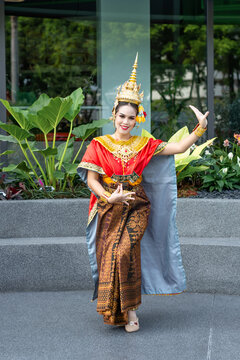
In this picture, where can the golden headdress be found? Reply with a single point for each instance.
(129, 92)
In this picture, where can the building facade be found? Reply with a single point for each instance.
(188, 54)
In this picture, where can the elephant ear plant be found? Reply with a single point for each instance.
(45, 114)
(182, 161)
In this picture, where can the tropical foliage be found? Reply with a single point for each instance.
(178, 76)
(186, 163)
(60, 163)
(224, 166)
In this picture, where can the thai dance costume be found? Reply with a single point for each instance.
(133, 249)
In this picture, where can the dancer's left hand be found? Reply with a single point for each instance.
(201, 118)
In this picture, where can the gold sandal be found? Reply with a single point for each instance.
(132, 325)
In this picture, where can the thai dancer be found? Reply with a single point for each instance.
(132, 236)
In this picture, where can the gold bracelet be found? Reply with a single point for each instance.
(198, 130)
(107, 194)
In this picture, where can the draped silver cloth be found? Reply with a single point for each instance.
(161, 261)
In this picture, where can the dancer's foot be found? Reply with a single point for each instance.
(133, 322)
(132, 326)
(132, 316)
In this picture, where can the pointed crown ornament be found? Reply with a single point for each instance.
(129, 92)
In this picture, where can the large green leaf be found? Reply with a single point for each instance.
(31, 144)
(201, 147)
(55, 110)
(20, 173)
(190, 170)
(7, 152)
(19, 115)
(195, 155)
(145, 133)
(179, 135)
(40, 122)
(185, 161)
(71, 169)
(77, 101)
(40, 103)
(34, 115)
(84, 131)
(47, 152)
(16, 131)
(8, 138)
(69, 151)
(21, 166)
(58, 174)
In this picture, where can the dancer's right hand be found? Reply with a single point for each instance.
(119, 196)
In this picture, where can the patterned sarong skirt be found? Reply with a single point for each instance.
(120, 229)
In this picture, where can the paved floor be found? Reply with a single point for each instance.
(66, 326)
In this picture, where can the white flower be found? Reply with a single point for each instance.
(230, 155)
(193, 147)
(207, 152)
(221, 158)
(224, 170)
(238, 161)
(218, 116)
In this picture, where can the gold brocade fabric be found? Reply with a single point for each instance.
(109, 180)
(120, 229)
(160, 147)
(124, 150)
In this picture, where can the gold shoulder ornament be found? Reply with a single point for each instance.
(124, 150)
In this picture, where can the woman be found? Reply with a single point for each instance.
(119, 212)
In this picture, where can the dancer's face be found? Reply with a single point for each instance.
(125, 119)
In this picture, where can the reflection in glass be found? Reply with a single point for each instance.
(178, 66)
(55, 56)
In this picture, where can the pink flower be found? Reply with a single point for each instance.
(238, 142)
(41, 183)
(226, 143)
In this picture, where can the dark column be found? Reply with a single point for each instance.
(3, 144)
(14, 59)
(210, 67)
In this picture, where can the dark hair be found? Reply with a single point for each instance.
(122, 103)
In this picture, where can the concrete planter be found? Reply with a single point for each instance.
(43, 245)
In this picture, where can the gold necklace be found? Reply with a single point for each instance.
(124, 150)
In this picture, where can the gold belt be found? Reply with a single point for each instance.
(108, 180)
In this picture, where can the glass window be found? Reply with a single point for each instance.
(227, 68)
(52, 49)
(178, 64)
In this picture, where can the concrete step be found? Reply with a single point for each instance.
(68, 217)
(61, 263)
(44, 264)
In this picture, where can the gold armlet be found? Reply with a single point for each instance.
(107, 195)
(198, 130)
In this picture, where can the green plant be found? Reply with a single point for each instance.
(182, 161)
(45, 114)
(6, 153)
(224, 167)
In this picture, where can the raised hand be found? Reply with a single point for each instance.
(201, 118)
(119, 196)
